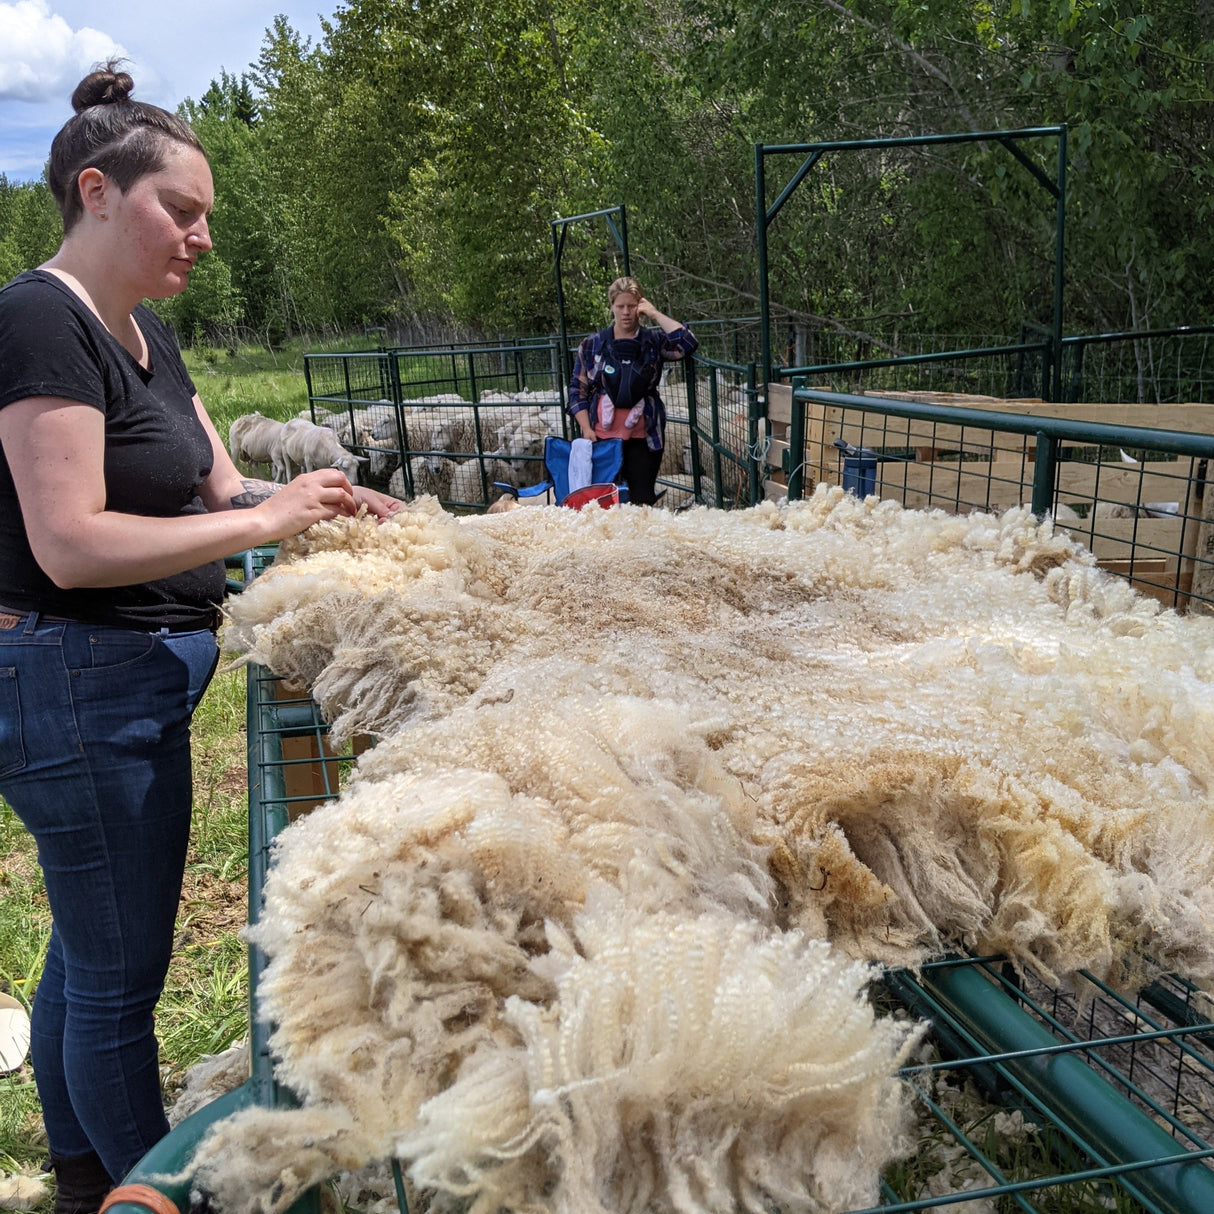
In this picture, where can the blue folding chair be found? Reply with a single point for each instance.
(606, 457)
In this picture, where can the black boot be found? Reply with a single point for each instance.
(81, 1183)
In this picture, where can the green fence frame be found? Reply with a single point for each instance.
(812, 153)
(560, 229)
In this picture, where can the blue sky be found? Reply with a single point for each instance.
(175, 50)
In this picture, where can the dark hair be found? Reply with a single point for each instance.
(125, 139)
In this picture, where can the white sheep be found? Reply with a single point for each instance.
(429, 473)
(304, 447)
(1117, 510)
(678, 495)
(376, 421)
(254, 439)
(467, 488)
(383, 457)
(456, 429)
(339, 423)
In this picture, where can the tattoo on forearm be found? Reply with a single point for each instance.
(254, 492)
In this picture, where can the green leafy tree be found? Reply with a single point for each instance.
(30, 226)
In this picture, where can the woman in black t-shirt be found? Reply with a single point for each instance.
(118, 503)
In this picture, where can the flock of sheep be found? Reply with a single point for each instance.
(442, 445)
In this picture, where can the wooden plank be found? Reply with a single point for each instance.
(1127, 565)
(1009, 482)
(779, 403)
(873, 430)
(776, 451)
(1203, 557)
(975, 485)
(1135, 484)
(1126, 538)
(1190, 417)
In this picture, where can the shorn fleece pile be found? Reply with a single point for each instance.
(592, 927)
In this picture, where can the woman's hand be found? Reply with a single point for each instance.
(378, 504)
(310, 498)
(646, 311)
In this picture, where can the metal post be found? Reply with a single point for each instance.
(558, 244)
(1045, 467)
(1075, 1094)
(714, 412)
(697, 470)
(752, 431)
(761, 234)
(1059, 266)
(796, 444)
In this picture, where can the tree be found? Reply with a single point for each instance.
(30, 226)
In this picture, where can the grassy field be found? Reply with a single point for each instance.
(253, 379)
(203, 1009)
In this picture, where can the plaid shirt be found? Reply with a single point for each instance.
(587, 383)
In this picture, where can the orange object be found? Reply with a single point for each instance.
(602, 495)
(140, 1195)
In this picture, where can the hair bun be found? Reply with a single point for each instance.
(105, 85)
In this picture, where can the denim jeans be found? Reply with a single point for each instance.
(95, 761)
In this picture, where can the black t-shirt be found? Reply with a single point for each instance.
(157, 453)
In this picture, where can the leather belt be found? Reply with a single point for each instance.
(9, 619)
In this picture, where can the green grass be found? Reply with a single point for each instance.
(252, 378)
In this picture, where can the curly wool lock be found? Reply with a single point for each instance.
(441, 923)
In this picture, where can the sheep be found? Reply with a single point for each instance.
(530, 396)
(1117, 510)
(254, 439)
(678, 495)
(520, 447)
(429, 473)
(304, 447)
(339, 423)
(472, 431)
(376, 421)
(467, 487)
(383, 457)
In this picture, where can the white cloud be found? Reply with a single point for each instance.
(41, 57)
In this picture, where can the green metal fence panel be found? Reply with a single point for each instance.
(1139, 498)
(421, 416)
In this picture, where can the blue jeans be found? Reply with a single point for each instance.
(95, 761)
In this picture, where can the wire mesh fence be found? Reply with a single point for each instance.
(1137, 497)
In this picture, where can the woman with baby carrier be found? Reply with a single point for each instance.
(614, 389)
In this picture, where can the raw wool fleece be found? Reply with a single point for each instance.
(572, 961)
(836, 720)
(954, 730)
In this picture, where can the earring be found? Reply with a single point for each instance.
(102, 215)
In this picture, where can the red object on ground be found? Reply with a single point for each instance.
(604, 495)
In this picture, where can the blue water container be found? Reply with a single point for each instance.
(860, 475)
